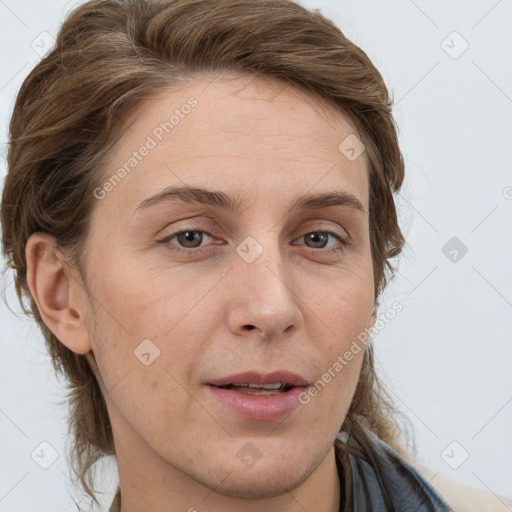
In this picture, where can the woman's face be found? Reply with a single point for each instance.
(175, 313)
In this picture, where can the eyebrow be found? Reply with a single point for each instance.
(219, 199)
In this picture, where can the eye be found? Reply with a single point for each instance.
(319, 239)
(188, 238)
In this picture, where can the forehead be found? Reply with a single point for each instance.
(235, 131)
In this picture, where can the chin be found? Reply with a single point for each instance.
(260, 484)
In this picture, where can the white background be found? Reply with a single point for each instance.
(447, 356)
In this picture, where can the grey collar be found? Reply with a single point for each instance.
(406, 489)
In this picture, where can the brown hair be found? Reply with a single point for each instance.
(112, 55)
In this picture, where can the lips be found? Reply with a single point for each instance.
(257, 396)
(281, 380)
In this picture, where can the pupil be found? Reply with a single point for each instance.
(315, 236)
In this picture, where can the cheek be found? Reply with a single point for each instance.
(147, 396)
(344, 304)
(144, 316)
(341, 310)
(139, 302)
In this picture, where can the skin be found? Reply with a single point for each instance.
(267, 143)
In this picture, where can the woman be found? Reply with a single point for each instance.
(199, 207)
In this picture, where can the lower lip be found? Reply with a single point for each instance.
(259, 407)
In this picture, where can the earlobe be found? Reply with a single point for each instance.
(52, 288)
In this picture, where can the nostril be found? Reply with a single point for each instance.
(252, 327)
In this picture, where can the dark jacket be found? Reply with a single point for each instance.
(407, 490)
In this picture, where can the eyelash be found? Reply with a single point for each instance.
(344, 241)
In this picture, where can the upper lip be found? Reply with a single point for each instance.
(282, 376)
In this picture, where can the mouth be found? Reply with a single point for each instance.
(259, 389)
(259, 397)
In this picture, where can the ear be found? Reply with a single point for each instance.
(58, 292)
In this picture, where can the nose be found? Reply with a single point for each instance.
(265, 297)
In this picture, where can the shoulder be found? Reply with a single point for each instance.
(461, 497)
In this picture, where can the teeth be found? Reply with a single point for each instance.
(251, 391)
(258, 386)
(264, 386)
